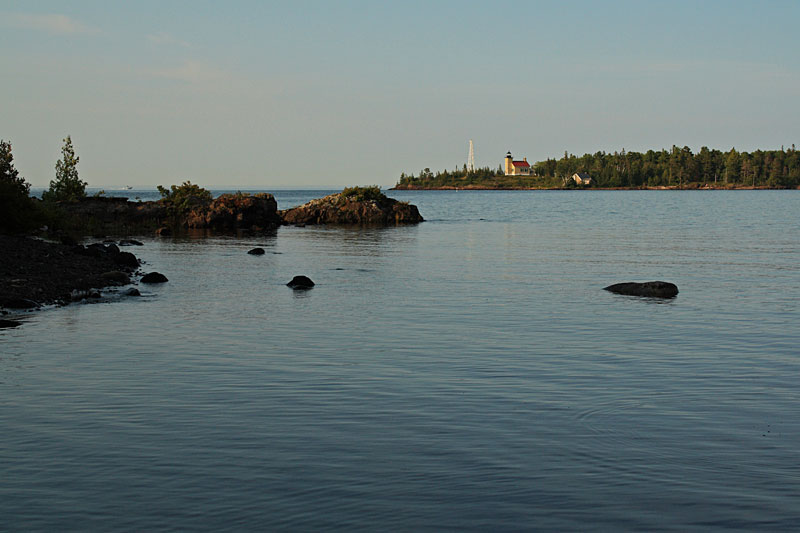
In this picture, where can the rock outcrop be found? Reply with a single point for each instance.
(230, 212)
(351, 210)
(114, 215)
(227, 212)
(648, 289)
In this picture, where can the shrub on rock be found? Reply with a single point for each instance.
(353, 206)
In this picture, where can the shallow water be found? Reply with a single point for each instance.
(467, 373)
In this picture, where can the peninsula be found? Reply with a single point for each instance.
(677, 168)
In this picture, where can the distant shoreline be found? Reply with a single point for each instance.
(699, 187)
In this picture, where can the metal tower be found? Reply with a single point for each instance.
(471, 158)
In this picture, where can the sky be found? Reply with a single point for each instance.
(265, 95)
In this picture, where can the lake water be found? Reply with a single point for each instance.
(468, 373)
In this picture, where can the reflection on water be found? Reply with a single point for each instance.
(461, 374)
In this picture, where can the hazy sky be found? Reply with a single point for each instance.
(251, 94)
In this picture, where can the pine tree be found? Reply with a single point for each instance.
(9, 176)
(67, 187)
(17, 212)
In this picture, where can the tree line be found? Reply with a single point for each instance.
(679, 167)
(449, 178)
(676, 167)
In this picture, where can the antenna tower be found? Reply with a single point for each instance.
(471, 158)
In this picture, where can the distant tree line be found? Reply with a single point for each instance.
(677, 167)
(450, 178)
(680, 167)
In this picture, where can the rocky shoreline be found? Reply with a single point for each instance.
(231, 213)
(35, 272)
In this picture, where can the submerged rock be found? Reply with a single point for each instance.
(132, 292)
(78, 296)
(300, 283)
(154, 277)
(130, 242)
(257, 251)
(649, 289)
(9, 323)
(115, 276)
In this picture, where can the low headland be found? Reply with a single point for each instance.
(677, 168)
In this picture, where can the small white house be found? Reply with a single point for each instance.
(582, 178)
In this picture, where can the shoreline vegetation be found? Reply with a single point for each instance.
(674, 169)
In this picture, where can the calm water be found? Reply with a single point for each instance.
(467, 374)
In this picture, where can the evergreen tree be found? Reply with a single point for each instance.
(17, 211)
(10, 181)
(67, 187)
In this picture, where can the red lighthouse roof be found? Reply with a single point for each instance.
(521, 164)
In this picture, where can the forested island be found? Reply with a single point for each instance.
(677, 168)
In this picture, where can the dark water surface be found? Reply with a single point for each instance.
(468, 373)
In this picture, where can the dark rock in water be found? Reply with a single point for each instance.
(154, 277)
(9, 323)
(300, 283)
(115, 276)
(126, 259)
(163, 231)
(256, 251)
(130, 242)
(649, 289)
(20, 303)
(132, 292)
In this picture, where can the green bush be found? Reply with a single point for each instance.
(181, 199)
(363, 194)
